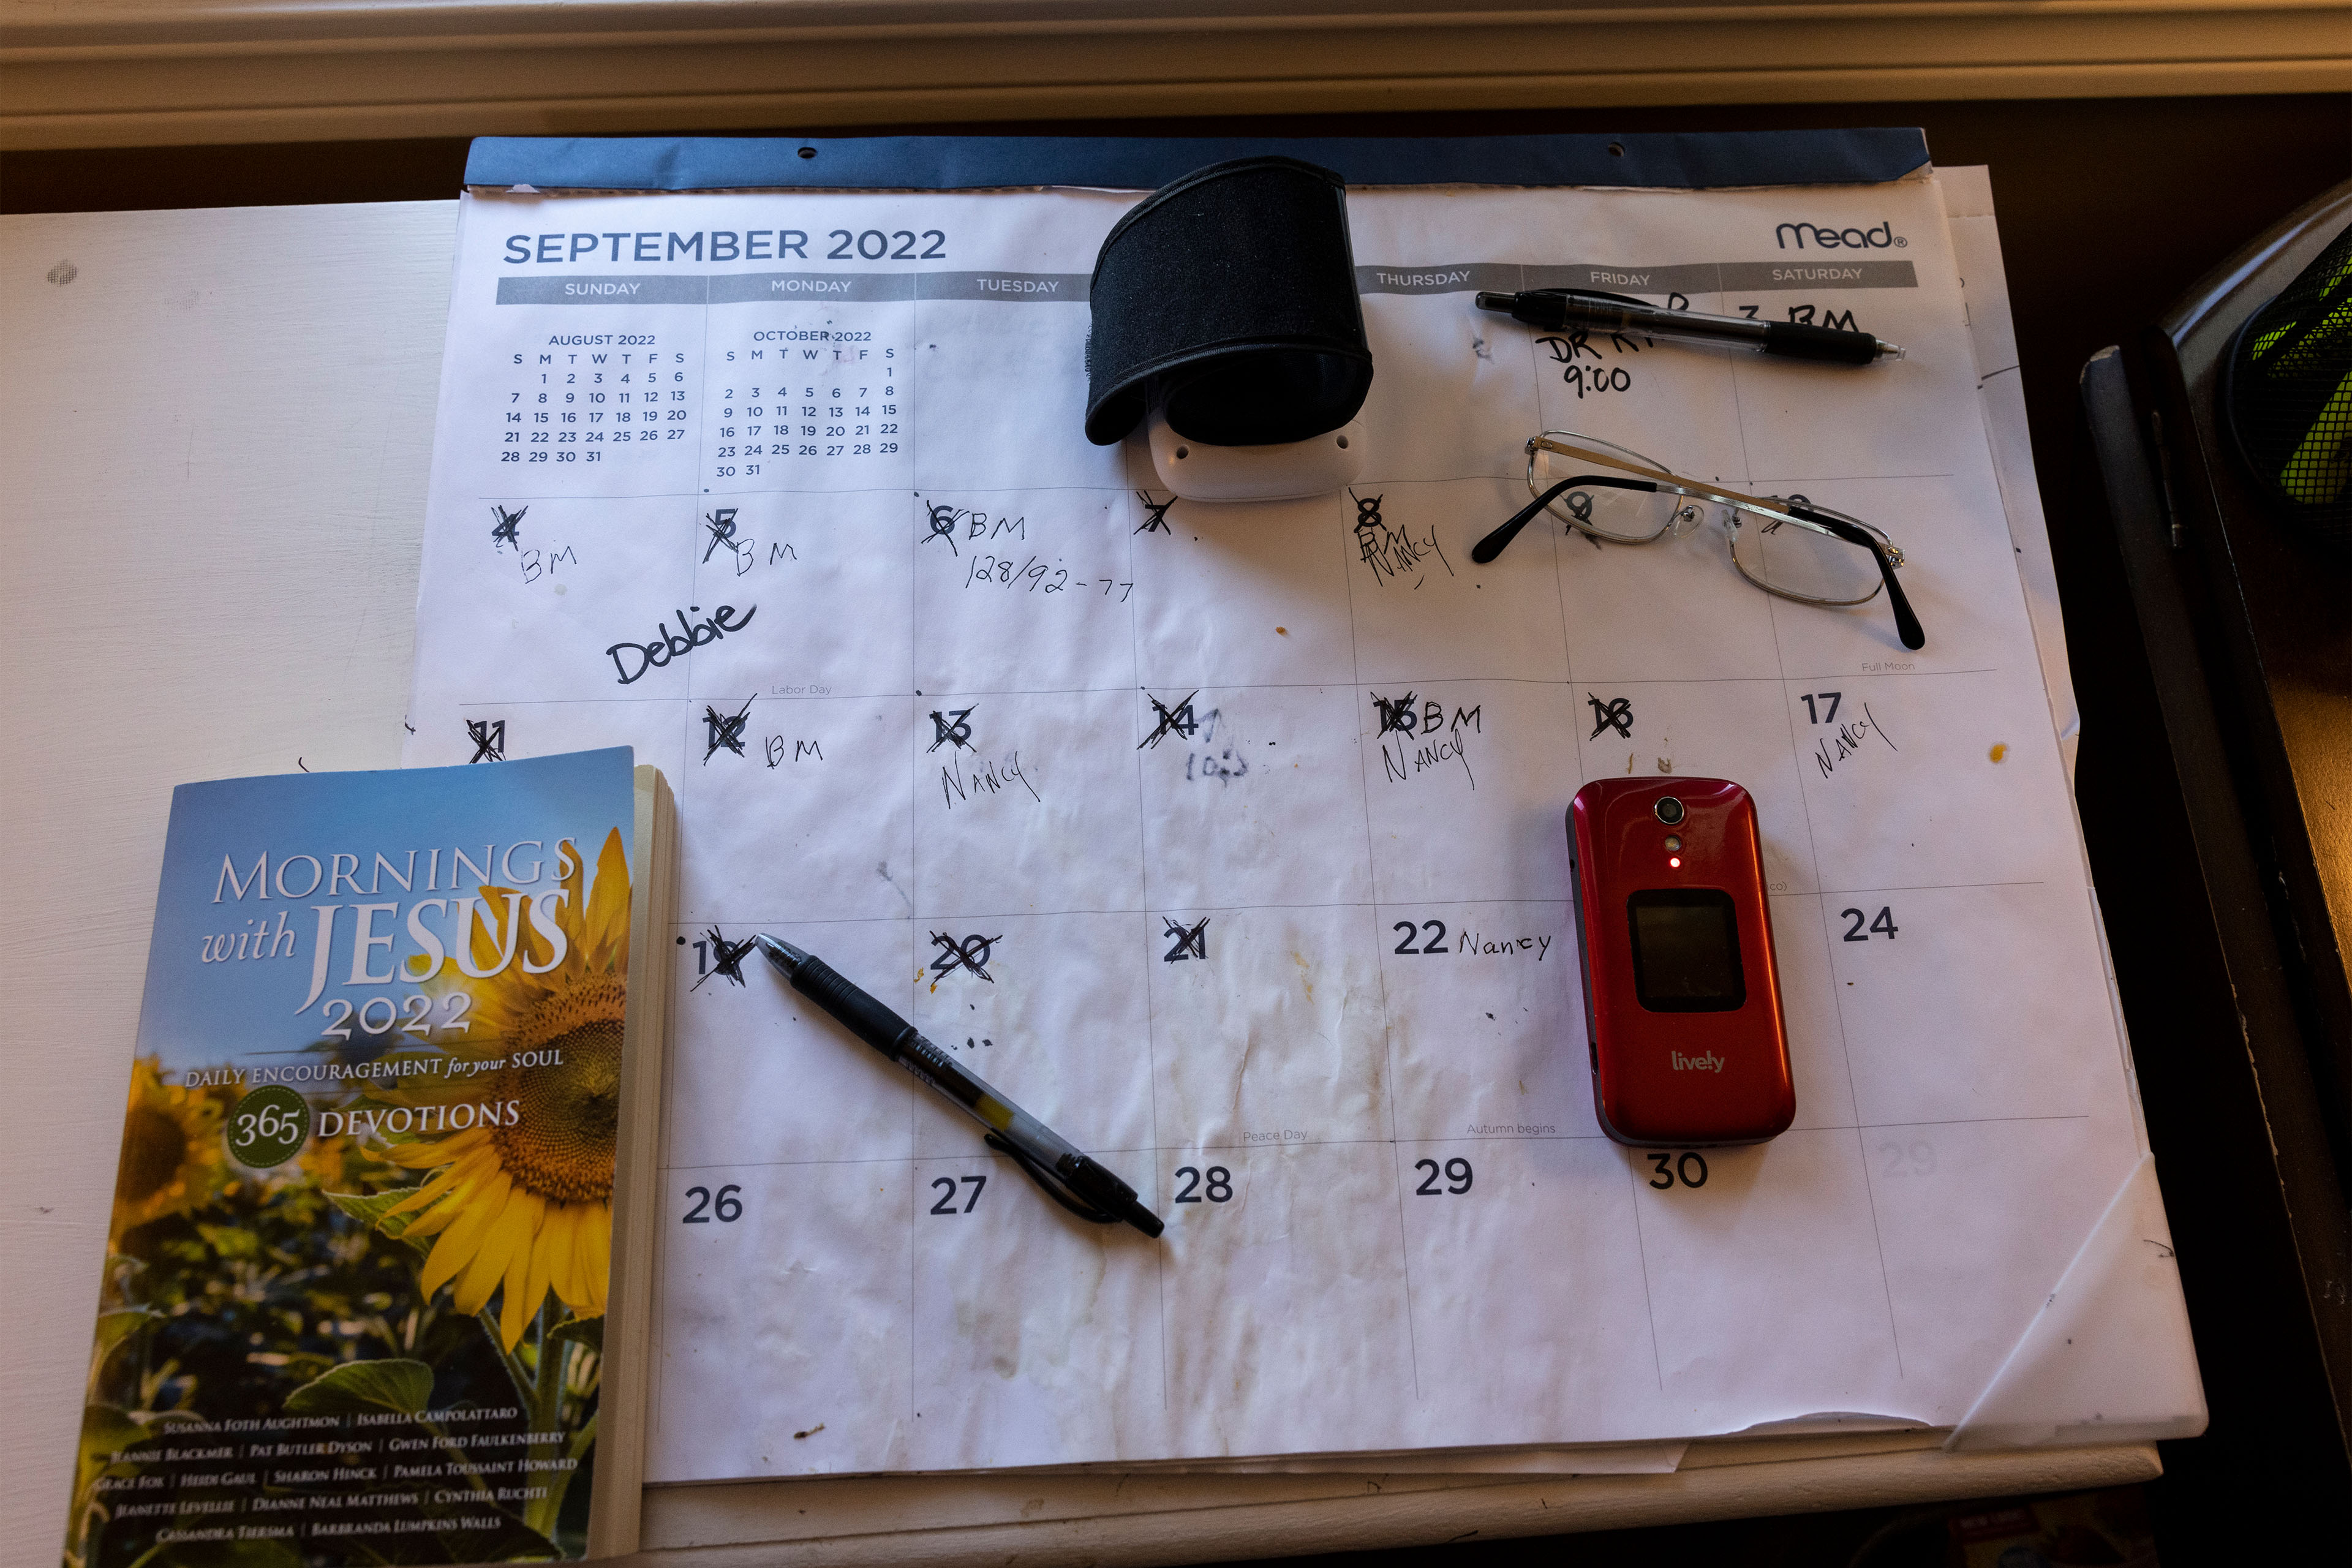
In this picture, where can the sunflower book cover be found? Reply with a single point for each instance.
(377, 1278)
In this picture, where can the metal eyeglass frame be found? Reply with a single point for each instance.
(1775, 512)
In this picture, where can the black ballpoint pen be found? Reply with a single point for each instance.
(1555, 308)
(1069, 1176)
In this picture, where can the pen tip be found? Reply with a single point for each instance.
(782, 954)
(1890, 350)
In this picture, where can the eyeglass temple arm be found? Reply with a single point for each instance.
(1906, 621)
(1486, 549)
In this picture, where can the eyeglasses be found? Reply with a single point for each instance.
(1784, 544)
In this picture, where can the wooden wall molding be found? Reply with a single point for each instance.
(97, 73)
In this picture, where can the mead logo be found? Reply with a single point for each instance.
(1882, 238)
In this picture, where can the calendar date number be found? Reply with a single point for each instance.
(1456, 1173)
(1431, 933)
(1669, 1168)
(1190, 1188)
(1880, 924)
(725, 1207)
(948, 1187)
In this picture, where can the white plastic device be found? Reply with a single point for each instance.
(1198, 471)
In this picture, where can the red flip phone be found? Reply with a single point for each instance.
(1682, 999)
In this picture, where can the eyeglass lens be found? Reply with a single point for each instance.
(1604, 505)
(1837, 562)
(1627, 516)
(1800, 563)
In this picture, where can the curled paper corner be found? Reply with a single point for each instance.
(2108, 1358)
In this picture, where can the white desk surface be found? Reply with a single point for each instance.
(182, 600)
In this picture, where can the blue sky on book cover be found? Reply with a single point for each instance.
(251, 855)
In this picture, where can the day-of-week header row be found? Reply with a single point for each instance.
(1665, 282)
(1686, 279)
(743, 288)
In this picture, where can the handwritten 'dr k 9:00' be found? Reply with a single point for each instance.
(669, 645)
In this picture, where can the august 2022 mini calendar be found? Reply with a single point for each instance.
(1228, 839)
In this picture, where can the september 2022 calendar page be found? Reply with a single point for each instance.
(1228, 839)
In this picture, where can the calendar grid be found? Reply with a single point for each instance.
(1388, 1041)
(1263, 1059)
(914, 841)
(1079, 490)
(1649, 1291)
(756, 918)
(1263, 686)
(1159, 1147)
(1151, 1018)
(1845, 1055)
(1388, 1142)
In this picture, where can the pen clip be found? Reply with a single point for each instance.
(1599, 294)
(1048, 1184)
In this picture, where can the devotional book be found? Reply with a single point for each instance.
(377, 1276)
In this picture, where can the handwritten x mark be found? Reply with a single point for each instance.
(721, 524)
(1397, 716)
(971, 953)
(943, 522)
(956, 730)
(724, 729)
(1616, 714)
(1176, 721)
(727, 957)
(1192, 941)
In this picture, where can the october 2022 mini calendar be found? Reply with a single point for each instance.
(1228, 839)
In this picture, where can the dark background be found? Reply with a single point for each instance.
(2109, 210)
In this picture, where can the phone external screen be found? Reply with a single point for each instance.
(1686, 951)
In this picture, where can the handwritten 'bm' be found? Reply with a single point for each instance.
(667, 645)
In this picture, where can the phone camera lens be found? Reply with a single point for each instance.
(1669, 810)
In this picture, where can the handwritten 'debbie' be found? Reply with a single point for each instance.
(667, 645)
